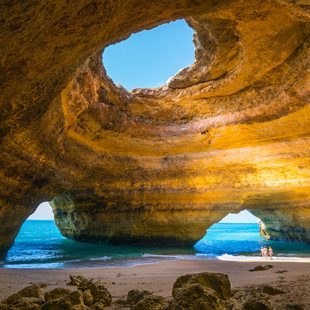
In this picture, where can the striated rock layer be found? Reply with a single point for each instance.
(228, 133)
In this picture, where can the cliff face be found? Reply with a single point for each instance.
(230, 132)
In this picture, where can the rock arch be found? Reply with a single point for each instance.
(231, 131)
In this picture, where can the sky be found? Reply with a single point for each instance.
(242, 217)
(43, 212)
(148, 59)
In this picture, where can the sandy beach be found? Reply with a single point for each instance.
(292, 277)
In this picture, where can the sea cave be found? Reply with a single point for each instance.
(159, 165)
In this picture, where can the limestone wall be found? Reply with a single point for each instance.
(230, 132)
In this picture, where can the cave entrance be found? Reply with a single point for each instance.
(147, 59)
(38, 243)
(235, 234)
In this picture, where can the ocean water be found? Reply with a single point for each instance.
(39, 244)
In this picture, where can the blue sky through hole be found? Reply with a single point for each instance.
(148, 58)
(43, 212)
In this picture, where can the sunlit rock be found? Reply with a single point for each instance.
(231, 132)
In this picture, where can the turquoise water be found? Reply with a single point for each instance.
(39, 244)
(244, 239)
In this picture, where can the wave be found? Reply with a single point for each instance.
(101, 258)
(146, 255)
(34, 266)
(243, 258)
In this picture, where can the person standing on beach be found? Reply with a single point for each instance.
(265, 251)
(270, 252)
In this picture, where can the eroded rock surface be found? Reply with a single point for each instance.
(29, 298)
(142, 299)
(92, 291)
(202, 291)
(89, 294)
(231, 132)
(218, 282)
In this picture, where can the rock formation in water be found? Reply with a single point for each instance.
(228, 133)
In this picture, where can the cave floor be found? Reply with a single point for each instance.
(159, 278)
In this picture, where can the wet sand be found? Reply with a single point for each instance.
(292, 277)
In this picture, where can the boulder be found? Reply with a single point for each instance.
(76, 297)
(77, 280)
(80, 307)
(134, 296)
(256, 304)
(4, 306)
(194, 296)
(32, 290)
(261, 268)
(66, 303)
(25, 303)
(120, 302)
(270, 290)
(150, 302)
(88, 297)
(95, 290)
(98, 306)
(139, 300)
(100, 293)
(30, 297)
(250, 298)
(218, 282)
(56, 293)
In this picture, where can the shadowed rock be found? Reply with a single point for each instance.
(294, 307)
(134, 296)
(270, 290)
(4, 306)
(32, 291)
(261, 268)
(256, 304)
(98, 306)
(140, 300)
(152, 302)
(56, 293)
(30, 297)
(250, 298)
(88, 297)
(73, 301)
(93, 291)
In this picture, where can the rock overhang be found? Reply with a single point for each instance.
(230, 132)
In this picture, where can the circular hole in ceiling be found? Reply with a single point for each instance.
(147, 59)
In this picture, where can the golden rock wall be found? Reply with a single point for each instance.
(228, 133)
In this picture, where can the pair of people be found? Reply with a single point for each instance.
(267, 252)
